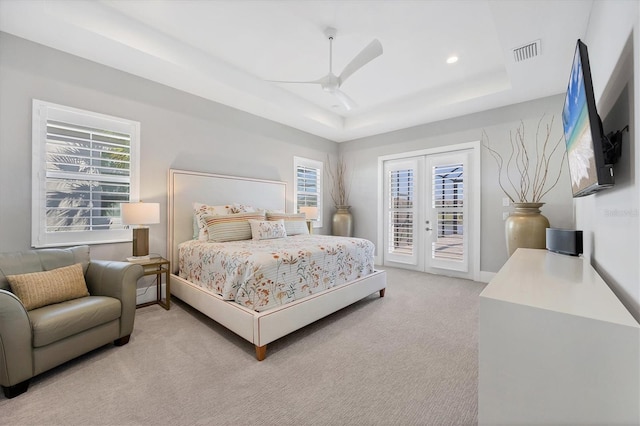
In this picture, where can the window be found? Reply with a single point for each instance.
(84, 165)
(308, 186)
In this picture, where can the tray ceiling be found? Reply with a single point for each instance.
(226, 51)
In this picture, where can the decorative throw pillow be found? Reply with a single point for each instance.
(242, 208)
(294, 223)
(199, 212)
(267, 230)
(230, 227)
(37, 289)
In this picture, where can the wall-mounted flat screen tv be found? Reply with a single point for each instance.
(583, 132)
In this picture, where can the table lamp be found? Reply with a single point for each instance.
(311, 214)
(139, 215)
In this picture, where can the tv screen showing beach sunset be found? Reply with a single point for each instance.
(577, 131)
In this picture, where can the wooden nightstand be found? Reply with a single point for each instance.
(157, 266)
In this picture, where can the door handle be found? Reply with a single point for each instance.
(428, 229)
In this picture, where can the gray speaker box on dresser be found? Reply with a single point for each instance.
(564, 241)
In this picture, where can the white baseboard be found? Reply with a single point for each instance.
(486, 276)
(148, 294)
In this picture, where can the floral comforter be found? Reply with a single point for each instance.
(264, 274)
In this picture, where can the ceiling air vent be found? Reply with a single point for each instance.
(528, 51)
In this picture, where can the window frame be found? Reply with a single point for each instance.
(43, 112)
(312, 164)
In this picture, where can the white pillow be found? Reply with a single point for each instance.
(267, 230)
(242, 208)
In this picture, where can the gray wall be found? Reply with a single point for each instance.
(363, 155)
(610, 219)
(178, 130)
(184, 131)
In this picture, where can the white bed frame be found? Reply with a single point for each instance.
(259, 328)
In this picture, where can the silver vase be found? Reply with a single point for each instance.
(342, 222)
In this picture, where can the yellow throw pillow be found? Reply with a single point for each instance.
(37, 289)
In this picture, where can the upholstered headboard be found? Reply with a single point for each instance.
(186, 187)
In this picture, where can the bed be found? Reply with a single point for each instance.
(258, 324)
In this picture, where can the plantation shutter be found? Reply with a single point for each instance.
(88, 173)
(401, 211)
(308, 186)
(448, 202)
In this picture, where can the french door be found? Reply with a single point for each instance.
(426, 213)
(402, 215)
(445, 213)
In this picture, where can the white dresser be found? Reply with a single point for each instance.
(556, 346)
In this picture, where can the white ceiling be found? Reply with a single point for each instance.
(226, 50)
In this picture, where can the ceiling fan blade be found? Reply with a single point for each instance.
(348, 103)
(369, 53)
(297, 82)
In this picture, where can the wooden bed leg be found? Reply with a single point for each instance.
(261, 352)
(382, 292)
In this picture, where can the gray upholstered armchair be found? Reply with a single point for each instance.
(36, 340)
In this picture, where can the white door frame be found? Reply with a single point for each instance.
(474, 177)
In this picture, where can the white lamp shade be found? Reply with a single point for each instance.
(140, 213)
(311, 213)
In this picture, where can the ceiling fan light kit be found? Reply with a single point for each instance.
(331, 83)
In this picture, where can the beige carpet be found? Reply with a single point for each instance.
(408, 358)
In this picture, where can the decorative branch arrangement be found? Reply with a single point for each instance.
(339, 188)
(532, 173)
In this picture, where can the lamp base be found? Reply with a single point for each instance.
(140, 242)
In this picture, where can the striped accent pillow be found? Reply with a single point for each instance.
(37, 289)
(231, 227)
(199, 212)
(294, 223)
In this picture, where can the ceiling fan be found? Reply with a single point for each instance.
(331, 83)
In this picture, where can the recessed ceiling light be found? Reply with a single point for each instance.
(452, 59)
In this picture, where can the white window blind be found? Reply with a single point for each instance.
(448, 201)
(84, 165)
(308, 185)
(401, 211)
